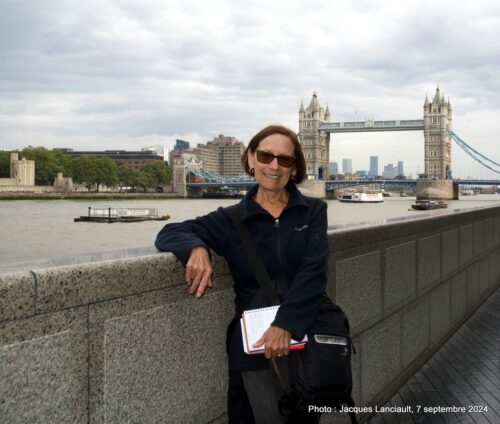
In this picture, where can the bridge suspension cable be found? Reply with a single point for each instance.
(473, 153)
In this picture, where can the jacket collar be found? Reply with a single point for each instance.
(250, 207)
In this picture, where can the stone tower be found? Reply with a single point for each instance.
(437, 141)
(22, 170)
(315, 143)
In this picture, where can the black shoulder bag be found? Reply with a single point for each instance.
(320, 375)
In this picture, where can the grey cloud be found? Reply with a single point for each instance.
(109, 70)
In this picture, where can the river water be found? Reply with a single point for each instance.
(40, 233)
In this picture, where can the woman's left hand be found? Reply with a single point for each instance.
(276, 341)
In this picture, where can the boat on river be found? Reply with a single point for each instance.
(110, 215)
(425, 205)
(362, 197)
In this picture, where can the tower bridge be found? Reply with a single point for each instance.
(315, 133)
(315, 129)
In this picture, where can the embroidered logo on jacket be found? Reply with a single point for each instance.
(301, 228)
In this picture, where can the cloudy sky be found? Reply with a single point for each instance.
(108, 74)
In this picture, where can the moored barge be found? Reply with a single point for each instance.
(110, 215)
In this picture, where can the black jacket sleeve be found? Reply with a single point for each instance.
(210, 231)
(299, 306)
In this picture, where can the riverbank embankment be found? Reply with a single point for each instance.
(87, 196)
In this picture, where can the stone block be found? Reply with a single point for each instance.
(415, 337)
(466, 243)
(429, 263)
(484, 277)
(458, 290)
(496, 260)
(489, 233)
(64, 287)
(440, 312)
(44, 380)
(400, 283)
(168, 363)
(101, 312)
(17, 295)
(497, 230)
(478, 238)
(493, 269)
(359, 289)
(472, 286)
(380, 357)
(450, 252)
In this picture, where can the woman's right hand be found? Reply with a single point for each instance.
(198, 271)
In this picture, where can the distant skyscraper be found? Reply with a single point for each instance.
(346, 166)
(400, 168)
(389, 171)
(181, 145)
(333, 168)
(373, 166)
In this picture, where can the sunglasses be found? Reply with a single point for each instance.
(283, 160)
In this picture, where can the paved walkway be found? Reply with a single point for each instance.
(465, 372)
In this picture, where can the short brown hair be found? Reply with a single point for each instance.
(300, 162)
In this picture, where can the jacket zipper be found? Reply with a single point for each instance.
(277, 283)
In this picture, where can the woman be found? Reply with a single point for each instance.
(289, 231)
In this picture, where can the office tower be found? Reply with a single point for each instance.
(373, 166)
(181, 145)
(389, 171)
(400, 168)
(333, 168)
(347, 166)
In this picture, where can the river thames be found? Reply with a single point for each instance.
(39, 233)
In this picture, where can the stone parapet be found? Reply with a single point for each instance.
(122, 341)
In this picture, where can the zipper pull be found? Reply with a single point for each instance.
(277, 223)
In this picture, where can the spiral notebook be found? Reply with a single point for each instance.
(254, 323)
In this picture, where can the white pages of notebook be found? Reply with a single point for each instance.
(254, 323)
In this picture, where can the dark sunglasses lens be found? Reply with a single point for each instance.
(286, 161)
(264, 157)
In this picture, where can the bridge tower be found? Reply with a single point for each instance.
(437, 140)
(181, 162)
(315, 143)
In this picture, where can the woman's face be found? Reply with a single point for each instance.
(272, 176)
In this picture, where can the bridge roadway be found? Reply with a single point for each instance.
(371, 125)
(464, 372)
(333, 184)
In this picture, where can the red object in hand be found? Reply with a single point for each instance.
(298, 347)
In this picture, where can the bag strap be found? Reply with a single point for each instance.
(259, 271)
(251, 251)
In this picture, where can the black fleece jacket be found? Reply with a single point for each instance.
(293, 248)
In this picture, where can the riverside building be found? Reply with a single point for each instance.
(133, 160)
(222, 155)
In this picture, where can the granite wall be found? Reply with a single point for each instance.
(121, 340)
